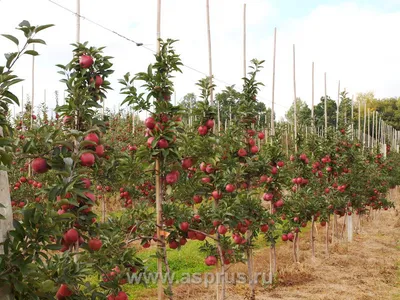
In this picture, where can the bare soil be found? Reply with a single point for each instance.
(366, 269)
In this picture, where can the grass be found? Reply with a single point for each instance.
(187, 260)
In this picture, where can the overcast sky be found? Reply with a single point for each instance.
(356, 42)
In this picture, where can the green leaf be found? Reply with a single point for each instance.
(11, 96)
(24, 23)
(31, 52)
(66, 216)
(18, 228)
(53, 247)
(5, 142)
(42, 27)
(11, 38)
(36, 41)
(10, 57)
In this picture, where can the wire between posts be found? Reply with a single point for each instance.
(147, 48)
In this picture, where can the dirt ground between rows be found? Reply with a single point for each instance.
(368, 268)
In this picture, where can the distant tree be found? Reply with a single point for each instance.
(226, 100)
(344, 110)
(303, 113)
(188, 101)
(319, 112)
(389, 110)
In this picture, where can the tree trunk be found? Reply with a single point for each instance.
(250, 272)
(350, 228)
(223, 281)
(327, 239)
(312, 238)
(5, 224)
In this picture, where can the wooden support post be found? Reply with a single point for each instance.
(325, 109)
(312, 99)
(209, 53)
(295, 99)
(273, 88)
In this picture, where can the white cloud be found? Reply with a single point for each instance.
(354, 44)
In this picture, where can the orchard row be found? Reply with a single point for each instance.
(176, 181)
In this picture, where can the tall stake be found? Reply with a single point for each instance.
(365, 123)
(352, 118)
(312, 99)
(295, 99)
(33, 87)
(78, 20)
(244, 40)
(325, 107)
(368, 126)
(133, 121)
(209, 53)
(22, 106)
(359, 120)
(337, 106)
(160, 290)
(273, 88)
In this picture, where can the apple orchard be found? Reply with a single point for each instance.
(176, 179)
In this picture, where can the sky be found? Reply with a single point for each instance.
(353, 41)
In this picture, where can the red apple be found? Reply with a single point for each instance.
(184, 226)
(173, 244)
(254, 149)
(71, 236)
(95, 244)
(163, 144)
(268, 196)
(39, 165)
(100, 150)
(222, 229)
(93, 138)
(230, 188)
(150, 141)
(216, 195)
(206, 180)
(242, 152)
(85, 61)
(172, 177)
(86, 182)
(150, 123)
(197, 199)
(187, 163)
(98, 81)
(210, 123)
(203, 167)
(121, 296)
(200, 236)
(203, 130)
(216, 223)
(87, 159)
(64, 291)
(211, 260)
(264, 227)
